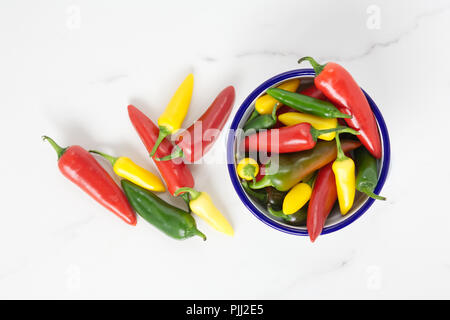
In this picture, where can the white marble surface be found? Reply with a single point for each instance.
(71, 76)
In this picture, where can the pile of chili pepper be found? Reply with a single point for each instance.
(139, 185)
(311, 155)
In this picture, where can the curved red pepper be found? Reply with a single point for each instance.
(293, 138)
(338, 85)
(196, 144)
(322, 200)
(281, 140)
(175, 173)
(80, 167)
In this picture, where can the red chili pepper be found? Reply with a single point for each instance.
(80, 167)
(196, 140)
(313, 92)
(175, 174)
(341, 89)
(322, 200)
(294, 138)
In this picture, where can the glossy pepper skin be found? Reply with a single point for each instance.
(313, 92)
(265, 103)
(323, 198)
(125, 167)
(367, 173)
(80, 167)
(202, 205)
(293, 118)
(175, 172)
(291, 168)
(294, 138)
(192, 145)
(258, 195)
(297, 197)
(173, 116)
(296, 219)
(174, 222)
(304, 103)
(344, 173)
(265, 121)
(338, 85)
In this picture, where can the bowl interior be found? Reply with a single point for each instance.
(335, 220)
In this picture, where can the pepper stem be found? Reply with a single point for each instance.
(59, 150)
(254, 114)
(318, 68)
(249, 171)
(340, 129)
(186, 199)
(274, 111)
(264, 182)
(199, 233)
(163, 132)
(194, 193)
(340, 153)
(278, 214)
(177, 152)
(372, 195)
(106, 156)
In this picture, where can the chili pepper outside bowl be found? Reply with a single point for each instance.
(335, 221)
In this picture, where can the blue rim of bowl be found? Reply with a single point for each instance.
(238, 187)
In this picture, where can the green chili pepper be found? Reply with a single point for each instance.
(307, 104)
(254, 114)
(367, 176)
(258, 195)
(265, 121)
(291, 168)
(296, 219)
(171, 220)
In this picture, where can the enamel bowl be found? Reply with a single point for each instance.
(335, 220)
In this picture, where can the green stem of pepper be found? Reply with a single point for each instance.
(341, 129)
(274, 111)
(254, 114)
(276, 213)
(370, 193)
(318, 68)
(340, 153)
(59, 150)
(264, 182)
(193, 193)
(177, 152)
(249, 171)
(163, 132)
(111, 159)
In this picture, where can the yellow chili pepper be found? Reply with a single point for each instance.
(344, 172)
(124, 167)
(172, 118)
(298, 196)
(201, 204)
(248, 169)
(292, 118)
(265, 103)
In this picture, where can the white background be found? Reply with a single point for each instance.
(68, 69)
